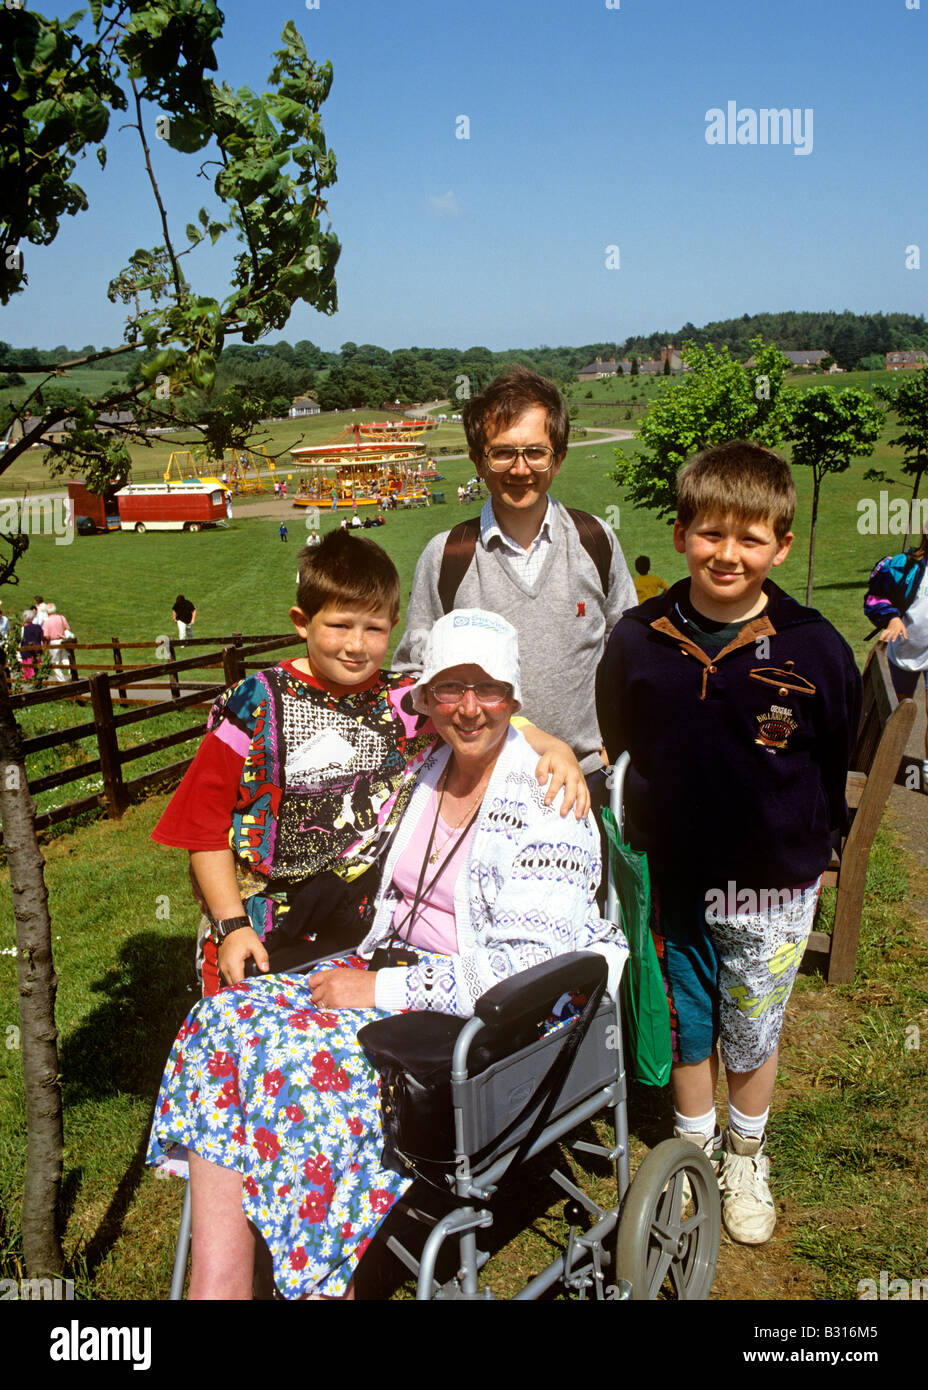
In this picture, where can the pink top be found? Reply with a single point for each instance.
(434, 928)
(56, 625)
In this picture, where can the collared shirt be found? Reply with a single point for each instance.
(527, 563)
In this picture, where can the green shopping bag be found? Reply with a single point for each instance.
(644, 999)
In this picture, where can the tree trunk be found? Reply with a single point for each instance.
(816, 486)
(37, 985)
(916, 486)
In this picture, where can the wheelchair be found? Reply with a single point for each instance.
(511, 1104)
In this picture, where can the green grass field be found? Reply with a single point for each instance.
(849, 1149)
(90, 383)
(29, 471)
(242, 578)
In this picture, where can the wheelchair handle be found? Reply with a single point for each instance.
(616, 806)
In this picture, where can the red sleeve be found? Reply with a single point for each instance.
(199, 814)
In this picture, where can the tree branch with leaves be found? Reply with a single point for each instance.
(829, 428)
(718, 399)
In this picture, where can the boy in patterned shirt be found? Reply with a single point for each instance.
(306, 768)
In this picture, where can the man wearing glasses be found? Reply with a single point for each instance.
(558, 576)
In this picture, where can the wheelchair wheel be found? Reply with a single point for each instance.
(668, 1240)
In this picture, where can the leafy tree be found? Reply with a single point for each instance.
(828, 429)
(908, 397)
(331, 393)
(152, 59)
(718, 400)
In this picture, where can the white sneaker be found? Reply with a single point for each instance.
(747, 1206)
(710, 1146)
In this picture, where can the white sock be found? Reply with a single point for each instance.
(747, 1126)
(696, 1124)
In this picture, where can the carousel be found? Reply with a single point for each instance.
(368, 474)
(395, 431)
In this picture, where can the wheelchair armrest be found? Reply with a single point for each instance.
(529, 996)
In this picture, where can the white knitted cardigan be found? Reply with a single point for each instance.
(525, 893)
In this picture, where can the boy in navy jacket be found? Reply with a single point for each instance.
(739, 709)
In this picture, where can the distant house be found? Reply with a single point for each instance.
(304, 405)
(597, 370)
(107, 423)
(112, 420)
(647, 367)
(31, 425)
(807, 357)
(654, 366)
(906, 361)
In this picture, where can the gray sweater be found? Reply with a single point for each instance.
(563, 621)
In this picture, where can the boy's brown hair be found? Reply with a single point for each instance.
(737, 479)
(345, 569)
(507, 398)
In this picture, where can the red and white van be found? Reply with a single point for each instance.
(187, 506)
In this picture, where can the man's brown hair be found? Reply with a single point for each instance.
(345, 569)
(737, 479)
(507, 398)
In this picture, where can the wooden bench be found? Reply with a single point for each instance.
(885, 725)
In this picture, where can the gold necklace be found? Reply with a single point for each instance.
(454, 829)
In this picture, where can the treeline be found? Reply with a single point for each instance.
(851, 339)
(366, 376)
(370, 377)
(358, 375)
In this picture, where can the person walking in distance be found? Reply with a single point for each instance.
(184, 614)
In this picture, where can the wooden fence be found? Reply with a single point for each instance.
(136, 685)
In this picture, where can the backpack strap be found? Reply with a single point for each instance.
(455, 561)
(462, 543)
(595, 542)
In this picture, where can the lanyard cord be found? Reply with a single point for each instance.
(409, 920)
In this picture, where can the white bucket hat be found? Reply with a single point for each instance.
(470, 637)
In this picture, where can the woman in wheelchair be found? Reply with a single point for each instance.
(267, 1088)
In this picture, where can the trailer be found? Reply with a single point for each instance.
(92, 511)
(191, 505)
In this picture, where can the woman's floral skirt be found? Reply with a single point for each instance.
(261, 1081)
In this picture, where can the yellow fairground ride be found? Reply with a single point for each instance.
(243, 471)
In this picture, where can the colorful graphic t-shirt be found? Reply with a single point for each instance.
(298, 780)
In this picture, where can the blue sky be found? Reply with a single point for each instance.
(587, 130)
